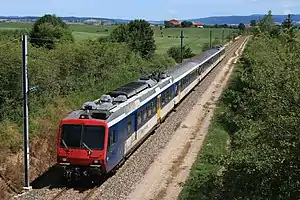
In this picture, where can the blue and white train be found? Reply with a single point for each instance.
(101, 135)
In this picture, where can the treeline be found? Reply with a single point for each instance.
(260, 111)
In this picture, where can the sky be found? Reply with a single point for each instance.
(147, 9)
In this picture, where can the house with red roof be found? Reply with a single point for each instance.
(198, 24)
(175, 22)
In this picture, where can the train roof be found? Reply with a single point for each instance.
(189, 64)
(127, 98)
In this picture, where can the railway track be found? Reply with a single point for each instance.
(120, 185)
(59, 194)
(63, 194)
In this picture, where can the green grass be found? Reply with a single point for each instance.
(85, 35)
(15, 25)
(195, 37)
(202, 183)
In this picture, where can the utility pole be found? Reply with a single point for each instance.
(181, 45)
(223, 36)
(210, 44)
(25, 112)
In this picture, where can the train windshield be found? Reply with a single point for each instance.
(82, 137)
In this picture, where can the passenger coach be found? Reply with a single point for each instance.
(99, 136)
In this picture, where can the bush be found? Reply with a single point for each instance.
(262, 120)
(49, 30)
(175, 53)
(12, 34)
(138, 34)
(205, 46)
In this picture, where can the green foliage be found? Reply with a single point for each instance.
(104, 39)
(287, 23)
(120, 34)
(266, 23)
(288, 28)
(159, 63)
(175, 53)
(242, 27)
(205, 46)
(72, 72)
(262, 118)
(261, 114)
(138, 35)
(12, 34)
(48, 30)
(204, 182)
(253, 23)
(185, 24)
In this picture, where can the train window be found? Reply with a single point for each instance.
(129, 127)
(154, 107)
(170, 94)
(112, 139)
(149, 108)
(145, 114)
(167, 96)
(163, 99)
(139, 119)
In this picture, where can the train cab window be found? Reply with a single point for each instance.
(139, 119)
(129, 127)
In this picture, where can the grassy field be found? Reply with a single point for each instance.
(194, 37)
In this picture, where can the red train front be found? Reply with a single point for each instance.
(81, 149)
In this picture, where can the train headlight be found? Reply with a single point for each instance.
(96, 162)
(62, 159)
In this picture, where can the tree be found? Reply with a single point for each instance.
(175, 53)
(120, 34)
(266, 23)
(186, 24)
(287, 23)
(49, 29)
(288, 28)
(138, 35)
(242, 27)
(253, 23)
(168, 24)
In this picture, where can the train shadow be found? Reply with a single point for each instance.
(53, 179)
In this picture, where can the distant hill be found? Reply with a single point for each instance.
(205, 20)
(242, 19)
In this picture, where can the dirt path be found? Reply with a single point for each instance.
(170, 170)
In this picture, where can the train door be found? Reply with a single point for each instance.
(178, 90)
(158, 107)
(113, 155)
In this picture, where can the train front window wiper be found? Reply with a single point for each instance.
(64, 143)
(86, 146)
